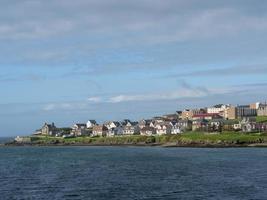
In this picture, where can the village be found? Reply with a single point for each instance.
(219, 118)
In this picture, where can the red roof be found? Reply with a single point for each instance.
(207, 115)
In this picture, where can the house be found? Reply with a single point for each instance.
(100, 130)
(143, 123)
(152, 124)
(261, 127)
(91, 123)
(185, 125)
(172, 123)
(148, 131)
(228, 125)
(179, 113)
(248, 127)
(163, 129)
(200, 125)
(112, 124)
(126, 122)
(176, 129)
(115, 131)
(49, 129)
(131, 130)
(79, 130)
(237, 126)
(216, 124)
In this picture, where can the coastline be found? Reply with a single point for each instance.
(197, 140)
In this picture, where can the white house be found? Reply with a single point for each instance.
(112, 124)
(176, 130)
(115, 131)
(131, 130)
(79, 129)
(218, 108)
(163, 129)
(91, 123)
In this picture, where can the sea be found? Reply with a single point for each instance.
(124, 173)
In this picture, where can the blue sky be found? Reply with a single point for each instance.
(70, 61)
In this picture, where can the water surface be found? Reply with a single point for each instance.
(132, 173)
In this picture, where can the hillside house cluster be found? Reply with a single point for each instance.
(221, 117)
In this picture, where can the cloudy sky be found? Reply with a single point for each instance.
(66, 61)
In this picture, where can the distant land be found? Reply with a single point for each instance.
(222, 125)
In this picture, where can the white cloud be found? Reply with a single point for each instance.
(159, 96)
(64, 106)
(95, 99)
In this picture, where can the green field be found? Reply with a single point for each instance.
(261, 119)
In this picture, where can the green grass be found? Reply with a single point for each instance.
(261, 119)
(185, 138)
(226, 137)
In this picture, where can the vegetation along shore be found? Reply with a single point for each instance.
(190, 139)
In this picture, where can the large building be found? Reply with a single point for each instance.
(217, 108)
(240, 112)
(49, 129)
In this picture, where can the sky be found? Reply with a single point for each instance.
(68, 61)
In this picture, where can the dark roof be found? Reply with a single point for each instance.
(92, 121)
(148, 128)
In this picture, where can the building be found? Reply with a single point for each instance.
(220, 109)
(91, 123)
(206, 116)
(188, 113)
(49, 129)
(217, 108)
(176, 130)
(79, 130)
(262, 110)
(144, 122)
(200, 125)
(255, 105)
(148, 131)
(115, 131)
(100, 130)
(163, 129)
(230, 113)
(112, 124)
(216, 125)
(242, 111)
(171, 117)
(131, 130)
(185, 125)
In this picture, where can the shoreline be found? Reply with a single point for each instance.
(166, 145)
(193, 139)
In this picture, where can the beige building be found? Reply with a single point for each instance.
(262, 110)
(240, 112)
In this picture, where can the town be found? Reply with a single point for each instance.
(219, 118)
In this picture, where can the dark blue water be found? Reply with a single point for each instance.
(132, 173)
